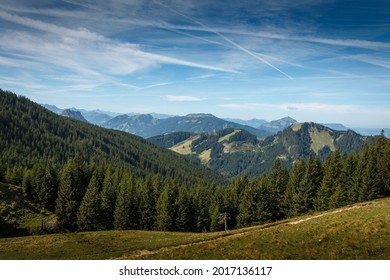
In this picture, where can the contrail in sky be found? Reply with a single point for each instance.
(239, 47)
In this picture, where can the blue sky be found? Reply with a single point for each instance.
(313, 60)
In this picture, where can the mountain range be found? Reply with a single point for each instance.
(153, 124)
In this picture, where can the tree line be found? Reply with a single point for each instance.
(95, 195)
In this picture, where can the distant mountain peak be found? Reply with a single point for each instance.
(199, 115)
(278, 125)
(73, 114)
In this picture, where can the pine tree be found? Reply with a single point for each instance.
(339, 197)
(201, 199)
(277, 180)
(89, 217)
(47, 191)
(248, 206)
(332, 171)
(311, 182)
(71, 192)
(147, 204)
(167, 209)
(370, 188)
(351, 169)
(232, 197)
(67, 201)
(215, 224)
(27, 182)
(108, 199)
(267, 205)
(184, 210)
(295, 195)
(126, 210)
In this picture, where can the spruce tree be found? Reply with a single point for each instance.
(339, 197)
(108, 199)
(311, 182)
(277, 180)
(71, 192)
(267, 204)
(89, 217)
(67, 201)
(248, 206)
(295, 195)
(126, 210)
(184, 211)
(215, 224)
(332, 171)
(371, 187)
(147, 204)
(167, 209)
(201, 199)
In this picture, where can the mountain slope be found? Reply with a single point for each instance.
(30, 132)
(140, 125)
(234, 152)
(76, 115)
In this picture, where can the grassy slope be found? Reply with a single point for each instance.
(358, 232)
(20, 216)
(321, 139)
(184, 147)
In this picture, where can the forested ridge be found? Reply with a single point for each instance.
(75, 170)
(31, 133)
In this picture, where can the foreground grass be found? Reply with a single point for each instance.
(361, 232)
(91, 245)
(358, 232)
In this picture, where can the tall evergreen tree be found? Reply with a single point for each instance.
(248, 206)
(201, 199)
(126, 210)
(108, 198)
(267, 205)
(371, 181)
(215, 224)
(89, 217)
(71, 192)
(147, 204)
(332, 171)
(184, 221)
(277, 180)
(167, 208)
(295, 195)
(339, 197)
(67, 201)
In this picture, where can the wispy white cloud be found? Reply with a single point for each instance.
(83, 51)
(201, 77)
(308, 107)
(153, 85)
(234, 44)
(183, 98)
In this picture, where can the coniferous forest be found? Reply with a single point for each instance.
(98, 179)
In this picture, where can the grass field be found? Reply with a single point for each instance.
(361, 231)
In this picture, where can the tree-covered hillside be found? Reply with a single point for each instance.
(234, 152)
(30, 133)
